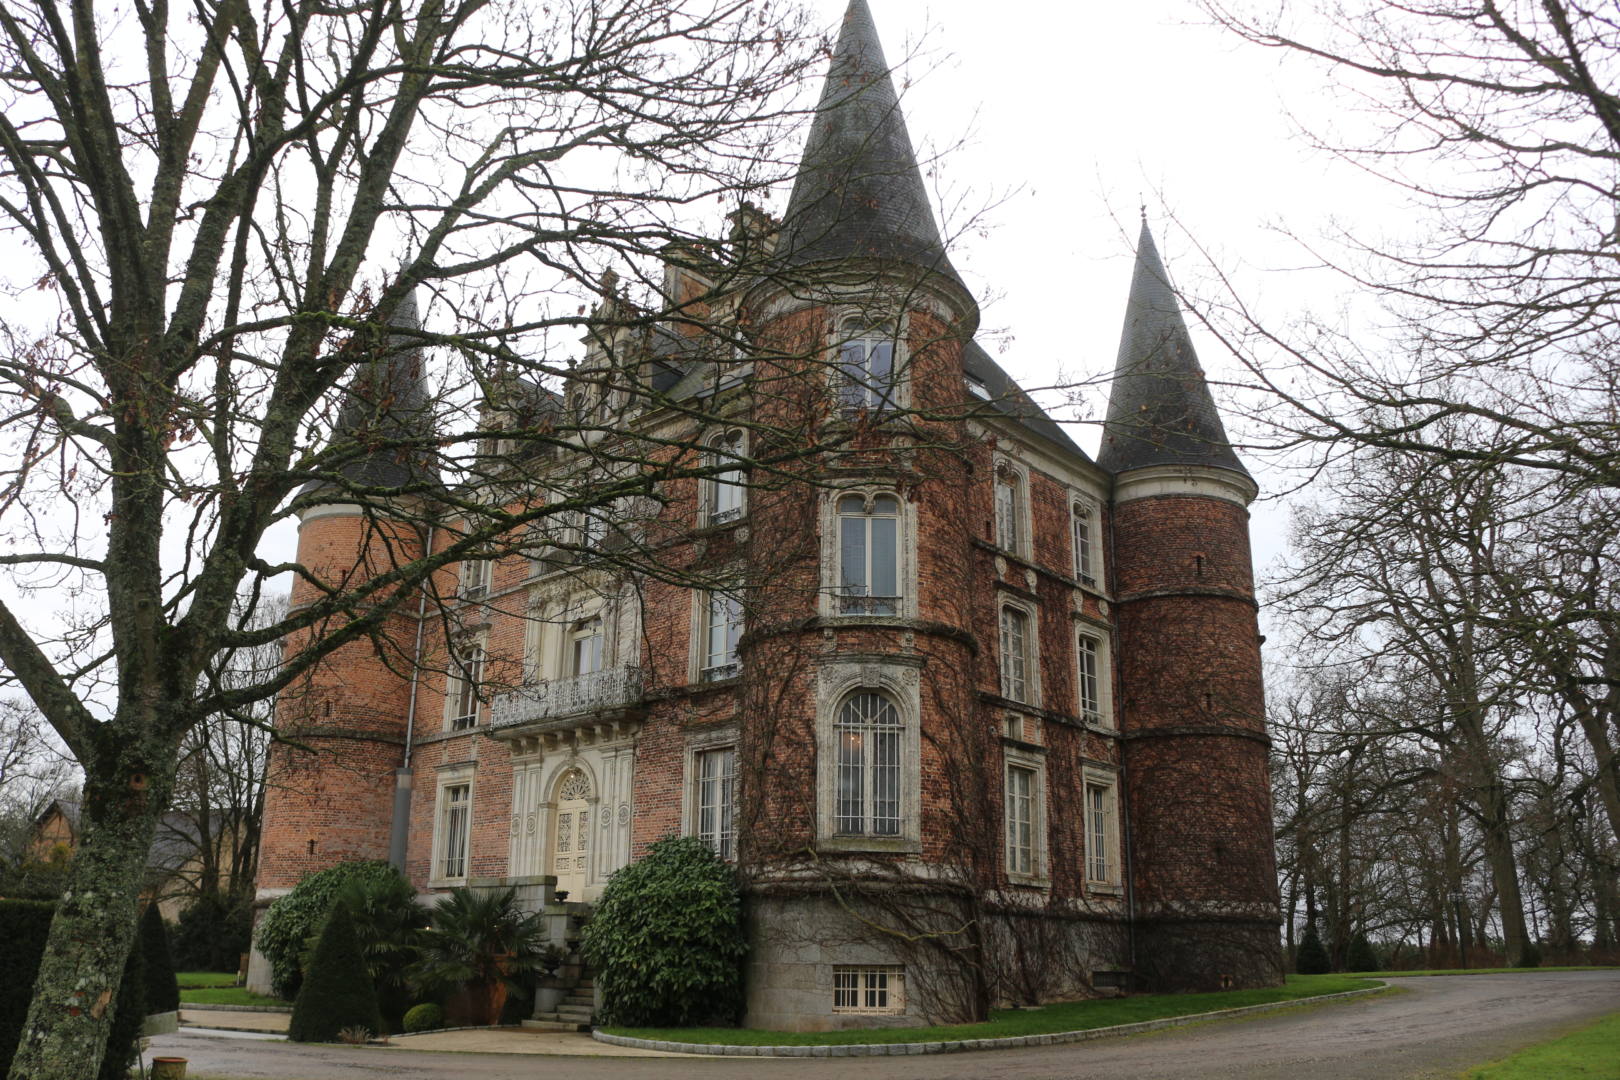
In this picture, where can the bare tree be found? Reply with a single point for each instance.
(215, 214)
(1500, 124)
(34, 772)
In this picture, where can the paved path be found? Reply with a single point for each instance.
(1438, 1026)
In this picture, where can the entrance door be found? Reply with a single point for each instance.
(571, 846)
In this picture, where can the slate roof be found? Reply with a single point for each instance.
(1160, 411)
(388, 402)
(859, 192)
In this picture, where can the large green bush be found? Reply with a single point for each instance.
(1362, 955)
(484, 945)
(213, 933)
(388, 926)
(295, 918)
(1312, 958)
(338, 993)
(666, 941)
(162, 989)
(24, 925)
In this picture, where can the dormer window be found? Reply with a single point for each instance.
(723, 491)
(866, 365)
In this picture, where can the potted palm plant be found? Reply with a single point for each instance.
(484, 946)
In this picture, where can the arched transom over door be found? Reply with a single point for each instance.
(571, 841)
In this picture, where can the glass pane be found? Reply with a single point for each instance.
(880, 362)
(886, 504)
(885, 557)
(852, 556)
(852, 390)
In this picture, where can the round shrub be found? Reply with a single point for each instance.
(295, 918)
(424, 1017)
(666, 941)
(1312, 958)
(337, 993)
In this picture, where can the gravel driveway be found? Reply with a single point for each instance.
(1436, 1027)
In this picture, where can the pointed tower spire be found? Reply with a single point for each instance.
(1160, 411)
(388, 405)
(859, 192)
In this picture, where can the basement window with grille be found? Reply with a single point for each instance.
(869, 990)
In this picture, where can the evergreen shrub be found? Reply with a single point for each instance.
(337, 992)
(162, 989)
(213, 933)
(666, 941)
(1363, 957)
(424, 1017)
(1312, 958)
(294, 919)
(1531, 957)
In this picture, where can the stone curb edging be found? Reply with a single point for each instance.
(192, 1006)
(960, 1045)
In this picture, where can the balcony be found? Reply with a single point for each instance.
(605, 694)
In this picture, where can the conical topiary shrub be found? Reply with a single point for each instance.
(1312, 958)
(162, 989)
(338, 993)
(1362, 955)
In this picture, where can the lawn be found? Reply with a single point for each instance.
(1592, 1053)
(225, 995)
(191, 980)
(1005, 1023)
(1473, 971)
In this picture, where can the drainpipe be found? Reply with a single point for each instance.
(403, 783)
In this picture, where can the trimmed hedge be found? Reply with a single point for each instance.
(338, 992)
(293, 920)
(666, 940)
(424, 1017)
(162, 988)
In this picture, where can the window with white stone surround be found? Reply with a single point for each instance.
(869, 555)
(1085, 529)
(464, 685)
(869, 365)
(868, 756)
(1019, 657)
(1093, 681)
(1102, 831)
(1012, 508)
(724, 492)
(869, 989)
(452, 825)
(714, 799)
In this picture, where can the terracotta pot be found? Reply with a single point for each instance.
(168, 1068)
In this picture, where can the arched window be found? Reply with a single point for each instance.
(723, 491)
(1016, 648)
(868, 736)
(868, 555)
(866, 375)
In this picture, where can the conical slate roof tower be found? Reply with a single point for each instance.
(1160, 411)
(859, 192)
(388, 409)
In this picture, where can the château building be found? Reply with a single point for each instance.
(977, 717)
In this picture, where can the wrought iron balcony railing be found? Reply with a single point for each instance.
(609, 690)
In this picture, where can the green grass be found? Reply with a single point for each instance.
(1472, 971)
(1591, 1053)
(1005, 1023)
(226, 995)
(191, 980)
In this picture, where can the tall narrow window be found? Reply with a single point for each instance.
(1099, 833)
(868, 555)
(593, 530)
(466, 678)
(1015, 654)
(1090, 686)
(1083, 522)
(716, 800)
(865, 366)
(1020, 820)
(475, 575)
(723, 491)
(1009, 511)
(868, 738)
(455, 809)
(722, 628)
(587, 642)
